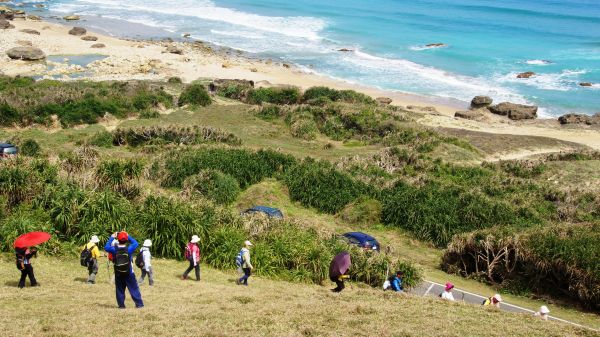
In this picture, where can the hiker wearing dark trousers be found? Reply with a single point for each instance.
(246, 265)
(147, 268)
(192, 254)
(124, 276)
(92, 259)
(339, 282)
(24, 256)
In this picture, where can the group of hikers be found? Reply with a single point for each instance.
(121, 247)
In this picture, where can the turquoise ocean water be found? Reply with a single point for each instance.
(488, 41)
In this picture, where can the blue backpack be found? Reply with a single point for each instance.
(239, 259)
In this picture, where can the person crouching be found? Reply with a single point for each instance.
(124, 275)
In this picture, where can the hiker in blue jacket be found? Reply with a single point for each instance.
(396, 283)
(124, 276)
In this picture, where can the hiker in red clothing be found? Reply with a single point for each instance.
(192, 254)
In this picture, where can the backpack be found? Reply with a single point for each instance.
(20, 257)
(122, 261)
(85, 258)
(239, 259)
(188, 251)
(139, 260)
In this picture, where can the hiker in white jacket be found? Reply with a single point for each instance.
(147, 270)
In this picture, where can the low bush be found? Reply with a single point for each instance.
(274, 95)
(316, 94)
(363, 211)
(245, 166)
(319, 185)
(195, 95)
(269, 112)
(214, 185)
(101, 139)
(30, 148)
(560, 260)
(172, 135)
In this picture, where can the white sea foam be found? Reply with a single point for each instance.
(563, 81)
(539, 62)
(423, 47)
(294, 26)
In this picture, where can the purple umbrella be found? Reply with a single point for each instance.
(339, 265)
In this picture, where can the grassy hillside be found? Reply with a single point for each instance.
(334, 162)
(65, 306)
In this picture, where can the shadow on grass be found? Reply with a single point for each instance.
(80, 279)
(12, 283)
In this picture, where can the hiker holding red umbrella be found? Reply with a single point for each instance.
(25, 251)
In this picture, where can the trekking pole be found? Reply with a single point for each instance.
(108, 270)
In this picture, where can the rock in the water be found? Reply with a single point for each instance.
(98, 45)
(186, 35)
(174, 50)
(481, 101)
(345, 50)
(89, 38)
(585, 84)
(579, 119)
(515, 111)
(34, 18)
(77, 31)
(435, 45)
(384, 100)
(30, 31)
(526, 74)
(26, 53)
(5, 24)
(474, 115)
(285, 65)
(71, 17)
(19, 12)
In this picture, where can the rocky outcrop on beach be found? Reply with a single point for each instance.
(384, 100)
(579, 119)
(174, 50)
(98, 45)
(89, 38)
(475, 115)
(77, 31)
(526, 74)
(515, 111)
(26, 53)
(71, 17)
(481, 102)
(5, 24)
(30, 31)
(34, 18)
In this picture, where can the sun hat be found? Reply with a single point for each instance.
(449, 286)
(544, 310)
(94, 239)
(247, 243)
(147, 243)
(195, 239)
(497, 297)
(122, 236)
(399, 273)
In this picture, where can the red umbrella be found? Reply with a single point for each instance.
(339, 265)
(31, 239)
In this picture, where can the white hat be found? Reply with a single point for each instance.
(498, 297)
(544, 310)
(195, 239)
(94, 239)
(147, 243)
(247, 243)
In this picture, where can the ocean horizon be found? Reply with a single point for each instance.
(453, 49)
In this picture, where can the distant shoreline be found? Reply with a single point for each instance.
(128, 59)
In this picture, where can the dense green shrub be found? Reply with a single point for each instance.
(149, 114)
(174, 80)
(121, 176)
(316, 94)
(101, 139)
(269, 112)
(195, 95)
(559, 260)
(319, 185)
(434, 212)
(523, 168)
(30, 148)
(22, 220)
(363, 211)
(74, 102)
(214, 185)
(172, 135)
(245, 166)
(274, 95)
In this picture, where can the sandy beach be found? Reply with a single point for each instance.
(122, 59)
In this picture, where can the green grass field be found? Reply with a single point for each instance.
(64, 305)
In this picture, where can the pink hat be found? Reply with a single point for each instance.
(449, 286)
